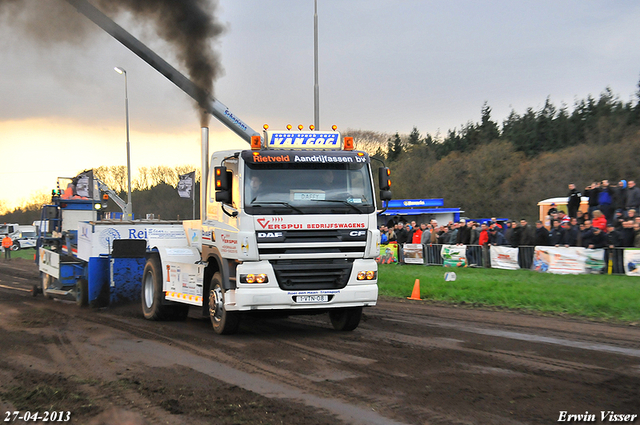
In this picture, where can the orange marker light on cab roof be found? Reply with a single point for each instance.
(312, 127)
(266, 126)
(348, 144)
(256, 142)
(334, 127)
(289, 127)
(300, 127)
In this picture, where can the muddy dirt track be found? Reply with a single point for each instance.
(408, 362)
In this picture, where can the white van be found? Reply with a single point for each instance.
(27, 239)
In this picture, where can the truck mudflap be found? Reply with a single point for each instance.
(270, 295)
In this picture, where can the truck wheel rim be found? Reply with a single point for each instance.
(216, 304)
(148, 290)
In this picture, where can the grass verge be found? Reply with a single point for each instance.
(26, 253)
(595, 296)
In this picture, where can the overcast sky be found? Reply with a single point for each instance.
(385, 66)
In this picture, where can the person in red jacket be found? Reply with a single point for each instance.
(483, 239)
(599, 220)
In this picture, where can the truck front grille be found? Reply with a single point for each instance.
(312, 274)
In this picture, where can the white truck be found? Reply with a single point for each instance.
(10, 229)
(287, 226)
(27, 239)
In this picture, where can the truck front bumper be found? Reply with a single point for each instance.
(269, 296)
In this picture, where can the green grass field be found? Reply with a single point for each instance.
(21, 253)
(594, 296)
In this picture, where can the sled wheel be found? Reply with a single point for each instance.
(82, 293)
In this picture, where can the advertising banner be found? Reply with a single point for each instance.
(454, 255)
(388, 254)
(412, 253)
(632, 262)
(503, 257)
(571, 260)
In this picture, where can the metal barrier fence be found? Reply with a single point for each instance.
(478, 256)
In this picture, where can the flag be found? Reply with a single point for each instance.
(83, 184)
(186, 184)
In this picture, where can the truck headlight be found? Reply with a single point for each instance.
(254, 278)
(367, 275)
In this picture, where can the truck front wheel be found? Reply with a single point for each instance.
(345, 319)
(224, 322)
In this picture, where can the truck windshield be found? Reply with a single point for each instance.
(307, 188)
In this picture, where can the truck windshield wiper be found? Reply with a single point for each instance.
(355, 207)
(286, 204)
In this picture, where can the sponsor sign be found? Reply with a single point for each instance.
(568, 260)
(281, 223)
(632, 262)
(228, 243)
(412, 253)
(503, 257)
(301, 157)
(388, 254)
(454, 255)
(50, 262)
(303, 140)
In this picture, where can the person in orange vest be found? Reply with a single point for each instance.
(7, 243)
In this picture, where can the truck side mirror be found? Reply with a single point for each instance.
(384, 178)
(385, 195)
(222, 184)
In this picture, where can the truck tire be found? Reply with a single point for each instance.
(151, 294)
(224, 322)
(15, 246)
(82, 293)
(345, 319)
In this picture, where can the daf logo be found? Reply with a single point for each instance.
(269, 234)
(357, 233)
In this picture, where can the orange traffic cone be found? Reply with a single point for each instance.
(415, 295)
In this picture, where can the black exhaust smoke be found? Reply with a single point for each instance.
(188, 26)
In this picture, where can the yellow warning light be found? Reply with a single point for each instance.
(334, 127)
(289, 127)
(312, 127)
(256, 142)
(348, 144)
(266, 126)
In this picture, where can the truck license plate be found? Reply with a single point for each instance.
(312, 298)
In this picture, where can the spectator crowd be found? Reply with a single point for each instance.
(611, 220)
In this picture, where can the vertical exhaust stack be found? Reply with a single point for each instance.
(204, 179)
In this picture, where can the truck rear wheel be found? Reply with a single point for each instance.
(345, 319)
(151, 295)
(224, 322)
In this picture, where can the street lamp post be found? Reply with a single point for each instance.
(129, 209)
(316, 90)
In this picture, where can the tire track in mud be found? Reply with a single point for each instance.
(221, 365)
